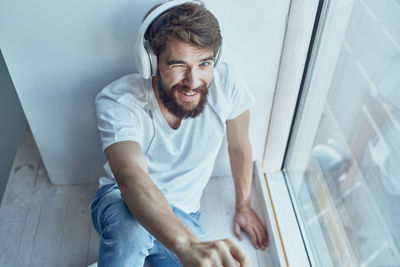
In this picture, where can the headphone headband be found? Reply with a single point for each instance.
(146, 59)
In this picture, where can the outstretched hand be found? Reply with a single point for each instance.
(248, 220)
(215, 253)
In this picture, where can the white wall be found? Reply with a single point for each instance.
(253, 34)
(12, 125)
(61, 54)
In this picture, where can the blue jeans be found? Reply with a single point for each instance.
(123, 241)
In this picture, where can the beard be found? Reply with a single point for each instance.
(167, 97)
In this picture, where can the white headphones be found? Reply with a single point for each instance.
(146, 59)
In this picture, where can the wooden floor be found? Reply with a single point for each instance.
(42, 224)
(46, 225)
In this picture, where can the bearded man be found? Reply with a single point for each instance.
(161, 134)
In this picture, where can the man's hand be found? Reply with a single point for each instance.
(248, 219)
(216, 253)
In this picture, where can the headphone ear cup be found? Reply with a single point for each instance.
(152, 58)
(142, 59)
(219, 54)
(154, 64)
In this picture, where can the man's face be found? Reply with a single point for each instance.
(184, 75)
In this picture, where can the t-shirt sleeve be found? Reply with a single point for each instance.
(116, 123)
(241, 98)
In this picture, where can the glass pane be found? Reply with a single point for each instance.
(349, 196)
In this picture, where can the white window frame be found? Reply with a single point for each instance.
(332, 27)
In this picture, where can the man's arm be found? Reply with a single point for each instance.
(242, 170)
(150, 207)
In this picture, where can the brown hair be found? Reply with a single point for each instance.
(189, 22)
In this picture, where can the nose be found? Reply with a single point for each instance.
(192, 78)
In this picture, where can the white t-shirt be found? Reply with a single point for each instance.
(180, 162)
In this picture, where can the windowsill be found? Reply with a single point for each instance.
(284, 228)
(272, 202)
(217, 211)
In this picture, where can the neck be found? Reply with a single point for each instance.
(173, 121)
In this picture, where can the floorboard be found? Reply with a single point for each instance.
(93, 246)
(43, 224)
(15, 206)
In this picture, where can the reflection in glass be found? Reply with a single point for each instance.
(349, 197)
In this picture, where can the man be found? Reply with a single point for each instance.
(161, 136)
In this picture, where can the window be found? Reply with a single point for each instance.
(343, 161)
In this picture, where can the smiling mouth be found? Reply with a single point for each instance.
(191, 93)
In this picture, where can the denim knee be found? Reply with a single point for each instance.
(113, 220)
(123, 241)
(121, 224)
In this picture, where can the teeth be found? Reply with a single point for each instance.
(189, 94)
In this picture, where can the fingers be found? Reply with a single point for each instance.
(260, 237)
(239, 254)
(250, 229)
(253, 226)
(217, 253)
(228, 260)
(225, 253)
(237, 230)
(253, 236)
(265, 236)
